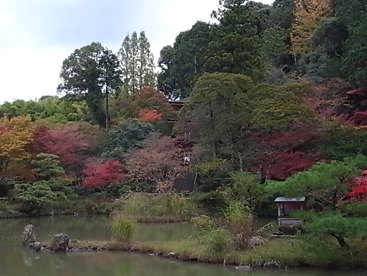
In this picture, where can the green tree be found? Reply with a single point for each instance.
(325, 185)
(217, 106)
(184, 62)
(110, 79)
(275, 107)
(340, 141)
(245, 187)
(274, 45)
(89, 74)
(137, 63)
(350, 12)
(354, 58)
(36, 196)
(47, 166)
(127, 136)
(166, 78)
(282, 13)
(51, 108)
(235, 44)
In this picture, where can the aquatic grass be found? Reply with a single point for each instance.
(144, 207)
(122, 229)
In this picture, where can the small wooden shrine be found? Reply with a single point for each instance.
(286, 206)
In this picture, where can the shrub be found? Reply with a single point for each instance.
(122, 229)
(217, 240)
(149, 206)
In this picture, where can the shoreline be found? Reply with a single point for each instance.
(220, 259)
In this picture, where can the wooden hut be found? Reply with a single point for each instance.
(286, 206)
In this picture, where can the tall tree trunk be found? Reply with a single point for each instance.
(107, 110)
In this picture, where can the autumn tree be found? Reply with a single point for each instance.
(227, 108)
(15, 135)
(145, 103)
(136, 62)
(159, 161)
(67, 142)
(100, 173)
(307, 15)
(278, 154)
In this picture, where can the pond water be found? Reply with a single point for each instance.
(18, 261)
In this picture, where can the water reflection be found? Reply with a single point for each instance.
(17, 261)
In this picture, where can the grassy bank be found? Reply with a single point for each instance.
(70, 207)
(277, 253)
(142, 207)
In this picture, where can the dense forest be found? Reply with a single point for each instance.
(275, 103)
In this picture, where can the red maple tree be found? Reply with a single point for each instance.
(278, 155)
(358, 189)
(102, 173)
(66, 142)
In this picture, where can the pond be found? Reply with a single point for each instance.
(18, 261)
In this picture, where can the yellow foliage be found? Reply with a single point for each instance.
(15, 134)
(307, 15)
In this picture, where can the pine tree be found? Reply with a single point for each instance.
(137, 63)
(307, 15)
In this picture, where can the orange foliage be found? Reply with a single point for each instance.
(15, 135)
(147, 99)
(307, 15)
(149, 115)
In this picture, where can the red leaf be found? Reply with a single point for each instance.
(101, 173)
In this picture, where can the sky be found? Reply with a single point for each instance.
(37, 35)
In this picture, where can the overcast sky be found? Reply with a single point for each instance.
(37, 35)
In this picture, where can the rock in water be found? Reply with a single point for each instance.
(59, 243)
(29, 235)
(35, 246)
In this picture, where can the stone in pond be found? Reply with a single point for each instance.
(35, 246)
(59, 243)
(29, 235)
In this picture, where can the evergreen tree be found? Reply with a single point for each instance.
(235, 47)
(85, 73)
(137, 63)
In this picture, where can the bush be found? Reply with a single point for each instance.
(122, 229)
(210, 201)
(149, 206)
(217, 240)
(240, 223)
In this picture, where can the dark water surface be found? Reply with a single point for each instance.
(18, 261)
